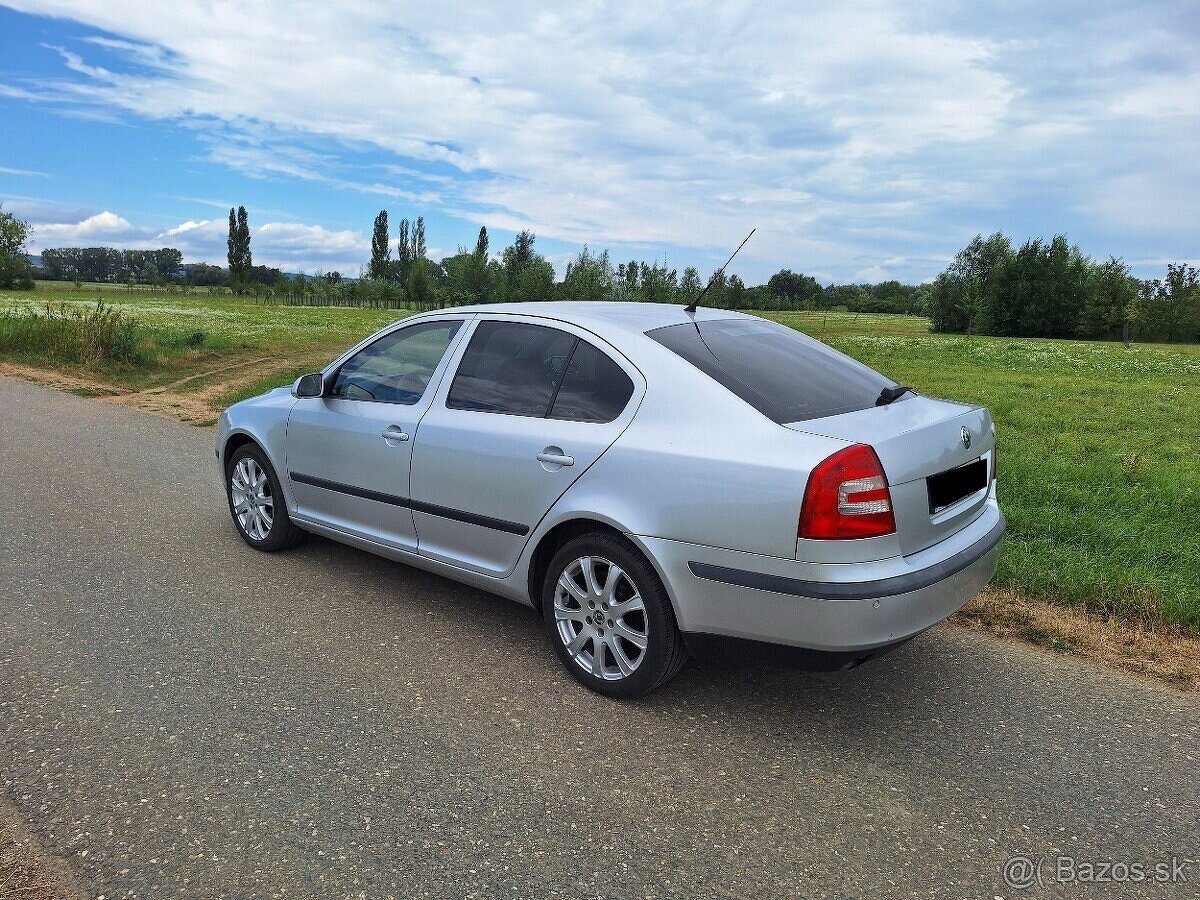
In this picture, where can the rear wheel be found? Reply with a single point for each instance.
(256, 502)
(609, 618)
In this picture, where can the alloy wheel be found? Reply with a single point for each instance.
(601, 618)
(253, 505)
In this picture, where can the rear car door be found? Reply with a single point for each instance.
(529, 408)
(348, 452)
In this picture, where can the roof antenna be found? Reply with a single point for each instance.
(691, 307)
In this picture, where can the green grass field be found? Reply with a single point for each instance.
(1099, 470)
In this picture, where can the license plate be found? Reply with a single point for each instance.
(947, 488)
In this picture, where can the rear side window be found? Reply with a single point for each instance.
(532, 370)
(594, 388)
(511, 368)
(785, 375)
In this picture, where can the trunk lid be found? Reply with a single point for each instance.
(918, 438)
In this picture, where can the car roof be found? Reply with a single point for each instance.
(602, 317)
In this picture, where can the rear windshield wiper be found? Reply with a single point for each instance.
(892, 394)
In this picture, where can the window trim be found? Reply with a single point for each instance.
(331, 374)
(562, 377)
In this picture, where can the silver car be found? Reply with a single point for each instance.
(655, 482)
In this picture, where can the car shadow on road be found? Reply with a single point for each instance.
(938, 677)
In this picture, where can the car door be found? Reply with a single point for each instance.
(349, 451)
(528, 409)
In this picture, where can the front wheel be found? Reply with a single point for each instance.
(256, 502)
(609, 618)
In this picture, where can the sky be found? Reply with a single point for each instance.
(864, 140)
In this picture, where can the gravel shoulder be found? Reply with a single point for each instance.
(28, 872)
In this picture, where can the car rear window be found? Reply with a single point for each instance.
(785, 375)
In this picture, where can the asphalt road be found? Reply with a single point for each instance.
(181, 716)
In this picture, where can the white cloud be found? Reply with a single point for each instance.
(848, 133)
(22, 173)
(103, 227)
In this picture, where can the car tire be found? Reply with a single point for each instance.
(256, 502)
(625, 614)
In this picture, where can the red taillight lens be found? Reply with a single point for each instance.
(847, 497)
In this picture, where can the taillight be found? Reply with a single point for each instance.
(847, 497)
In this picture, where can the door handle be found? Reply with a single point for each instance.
(395, 433)
(555, 459)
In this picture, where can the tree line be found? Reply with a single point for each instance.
(1052, 289)
(519, 272)
(109, 264)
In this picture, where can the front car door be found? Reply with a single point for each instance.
(529, 408)
(348, 452)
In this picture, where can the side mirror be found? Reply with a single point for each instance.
(311, 385)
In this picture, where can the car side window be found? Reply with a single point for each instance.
(512, 368)
(397, 367)
(594, 388)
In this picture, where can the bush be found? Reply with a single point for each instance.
(96, 335)
(15, 273)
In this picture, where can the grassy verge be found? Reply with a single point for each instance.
(162, 339)
(1099, 475)
(1167, 655)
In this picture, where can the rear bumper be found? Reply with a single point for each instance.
(836, 608)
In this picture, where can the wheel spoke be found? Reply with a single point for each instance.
(637, 638)
(589, 576)
(598, 646)
(576, 645)
(609, 591)
(625, 607)
(624, 664)
(565, 614)
(242, 505)
(567, 583)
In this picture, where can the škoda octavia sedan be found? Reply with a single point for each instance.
(653, 481)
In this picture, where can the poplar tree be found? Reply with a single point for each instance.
(238, 245)
(403, 251)
(381, 251)
(244, 239)
(231, 245)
